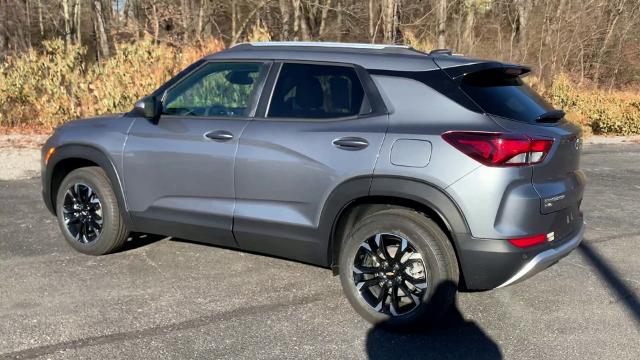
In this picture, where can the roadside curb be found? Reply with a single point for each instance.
(612, 140)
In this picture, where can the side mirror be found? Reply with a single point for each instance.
(148, 107)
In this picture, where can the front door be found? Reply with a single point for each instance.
(178, 173)
(320, 131)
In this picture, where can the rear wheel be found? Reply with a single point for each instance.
(398, 269)
(88, 212)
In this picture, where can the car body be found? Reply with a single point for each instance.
(329, 132)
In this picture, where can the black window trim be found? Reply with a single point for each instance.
(376, 102)
(255, 98)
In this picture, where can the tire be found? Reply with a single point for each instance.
(435, 286)
(94, 205)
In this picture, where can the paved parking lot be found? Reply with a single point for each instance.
(166, 298)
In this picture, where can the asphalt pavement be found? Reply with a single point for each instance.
(167, 298)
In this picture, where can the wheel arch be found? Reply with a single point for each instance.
(74, 156)
(385, 192)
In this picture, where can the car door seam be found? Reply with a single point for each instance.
(235, 198)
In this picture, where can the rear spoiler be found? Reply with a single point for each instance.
(458, 68)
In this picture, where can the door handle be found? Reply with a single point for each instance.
(219, 135)
(350, 143)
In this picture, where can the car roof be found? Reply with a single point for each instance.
(369, 56)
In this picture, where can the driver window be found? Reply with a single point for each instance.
(216, 89)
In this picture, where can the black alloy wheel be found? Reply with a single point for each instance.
(82, 213)
(390, 274)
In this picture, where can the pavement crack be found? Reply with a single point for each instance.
(193, 323)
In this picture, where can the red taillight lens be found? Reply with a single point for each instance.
(497, 149)
(528, 241)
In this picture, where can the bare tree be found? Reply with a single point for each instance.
(100, 30)
(442, 23)
(596, 41)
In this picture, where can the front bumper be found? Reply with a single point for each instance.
(488, 263)
(546, 258)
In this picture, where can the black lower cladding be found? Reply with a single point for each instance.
(489, 263)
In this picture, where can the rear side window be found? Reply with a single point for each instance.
(507, 96)
(317, 92)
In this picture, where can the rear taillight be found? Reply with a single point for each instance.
(528, 241)
(498, 149)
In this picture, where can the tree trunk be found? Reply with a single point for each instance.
(28, 15)
(372, 19)
(389, 11)
(40, 22)
(323, 18)
(523, 8)
(613, 20)
(100, 29)
(300, 24)
(442, 23)
(244, 24)
(203, 4)
(155, 21)
(339, 20)
(468, 37)
(77, 22)
(234, 16)
(184, 10)
(286, 19)
(67, 22)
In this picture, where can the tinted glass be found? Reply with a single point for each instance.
(216, 89)
(506, 96)
(317, 91)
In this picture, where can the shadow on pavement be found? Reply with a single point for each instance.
(137, 240)
(613, 279)
(451, 338)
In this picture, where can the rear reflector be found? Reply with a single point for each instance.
(528, 241)
(498, 149)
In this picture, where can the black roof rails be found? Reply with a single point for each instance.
(440, 52)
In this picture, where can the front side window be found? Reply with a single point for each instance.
(215, 89)
(317, 91)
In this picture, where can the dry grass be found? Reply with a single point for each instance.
(44, 89)
(41, 90)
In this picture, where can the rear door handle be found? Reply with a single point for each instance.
(350, 143)
(219, 135)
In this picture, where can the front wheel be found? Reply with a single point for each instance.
(398, 269)
(88, 212)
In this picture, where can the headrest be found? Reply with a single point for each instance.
(309, 94)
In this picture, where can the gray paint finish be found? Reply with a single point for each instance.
(187, 179)
(285, 171)
(411, 153)
(278, 186)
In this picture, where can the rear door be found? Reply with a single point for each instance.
(319, 129)
(178, 173)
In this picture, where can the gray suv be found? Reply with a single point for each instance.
(411, 175)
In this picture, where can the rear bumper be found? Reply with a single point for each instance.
(546, 258)
(488, 264)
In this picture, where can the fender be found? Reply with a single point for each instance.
(400, 188)
(84, 152)
(424, 193)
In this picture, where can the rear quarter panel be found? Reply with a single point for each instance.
(422, 114)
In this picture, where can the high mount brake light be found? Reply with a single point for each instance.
(498, 149)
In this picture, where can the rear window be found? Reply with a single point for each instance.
(507, 96)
